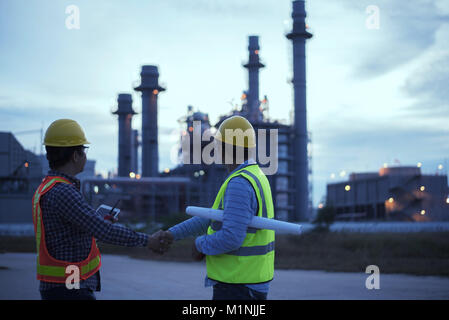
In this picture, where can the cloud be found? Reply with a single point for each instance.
(229, 8)
(427, 84)
(362, 143)
(404, 34)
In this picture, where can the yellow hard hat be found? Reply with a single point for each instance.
(237, 131)
(65, 133)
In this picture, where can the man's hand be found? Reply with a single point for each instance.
(196, 255)
(160, 241)
(167, 237)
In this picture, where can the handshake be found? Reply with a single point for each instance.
(160, 241)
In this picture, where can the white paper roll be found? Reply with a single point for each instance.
(256, 222)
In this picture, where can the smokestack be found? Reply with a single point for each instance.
(125, 113)
(150, 89)
(253, 66)
(298, 37)
(134, 151)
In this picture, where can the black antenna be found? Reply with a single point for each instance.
(115, 205)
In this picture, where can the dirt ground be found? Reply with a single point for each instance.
(149, 279)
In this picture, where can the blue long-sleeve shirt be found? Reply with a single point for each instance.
(240, 205)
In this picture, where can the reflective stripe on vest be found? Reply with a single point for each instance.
(253, 251)
(60, 271)
(48, 268)
(253, 262)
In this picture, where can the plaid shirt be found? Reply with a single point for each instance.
(70, 222)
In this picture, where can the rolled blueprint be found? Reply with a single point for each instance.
(256, 222)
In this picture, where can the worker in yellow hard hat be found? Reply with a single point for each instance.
(68, 259)
(236, 141)
(239, 259)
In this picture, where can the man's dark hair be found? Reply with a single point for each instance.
(59, 156)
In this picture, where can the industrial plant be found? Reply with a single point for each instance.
(198, 183)
(146, 194)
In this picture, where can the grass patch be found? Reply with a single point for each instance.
(409, 253)
(412, 253)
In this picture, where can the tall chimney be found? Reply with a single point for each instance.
(125, 113)
(253, 66)
(135, 151)
(298, 37)
(150, 89)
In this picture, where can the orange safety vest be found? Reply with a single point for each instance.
(48, 268)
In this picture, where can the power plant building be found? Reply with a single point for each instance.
(395, 193)
(20, 175)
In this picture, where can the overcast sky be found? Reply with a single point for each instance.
(374, 96)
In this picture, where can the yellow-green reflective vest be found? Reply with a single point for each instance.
(253, 262)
